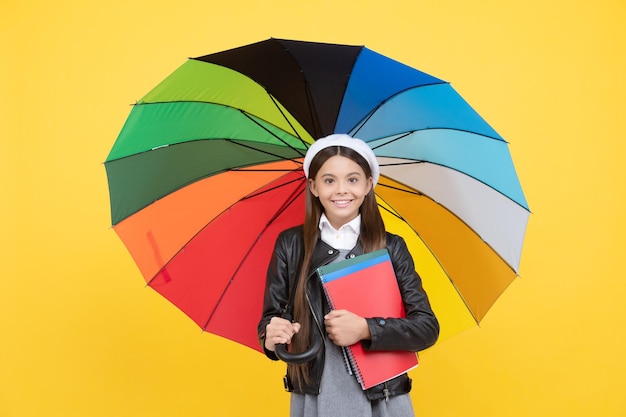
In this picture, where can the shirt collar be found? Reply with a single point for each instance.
(344, 238)
(354, 225)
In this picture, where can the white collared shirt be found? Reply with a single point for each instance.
(344, 238)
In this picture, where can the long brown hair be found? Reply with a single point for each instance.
(371, 238)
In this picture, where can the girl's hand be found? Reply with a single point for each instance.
(345, 328)
(279, 331)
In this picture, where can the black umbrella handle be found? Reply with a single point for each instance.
(316, 340)
(297, 358)
(302, 357)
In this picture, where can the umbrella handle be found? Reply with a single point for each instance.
(297, 358)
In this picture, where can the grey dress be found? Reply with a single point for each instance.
(341, 395)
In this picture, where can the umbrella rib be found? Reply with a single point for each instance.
(400, 135)
(285, 117)
(287, 203)
(362, 123)
(312, 108)
(415, 192)
(251, 195)
(247, 115)
(282, 158)
(393, 139)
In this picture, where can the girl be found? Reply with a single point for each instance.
(342, 220)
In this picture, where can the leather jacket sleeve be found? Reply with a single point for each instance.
(420, 329)
(280, 274)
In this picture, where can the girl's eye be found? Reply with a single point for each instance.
(353, 180)
(328, 180)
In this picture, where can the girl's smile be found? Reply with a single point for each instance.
(342, 203)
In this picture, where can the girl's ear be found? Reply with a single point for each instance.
(313, 187)
(370, 185)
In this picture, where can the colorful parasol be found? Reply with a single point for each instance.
(207, 170)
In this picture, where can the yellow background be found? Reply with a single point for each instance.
(81, 336)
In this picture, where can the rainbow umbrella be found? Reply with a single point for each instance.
(207, 170)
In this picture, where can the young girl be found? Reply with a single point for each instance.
(342, 221)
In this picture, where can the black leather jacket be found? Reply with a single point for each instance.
(418, 331)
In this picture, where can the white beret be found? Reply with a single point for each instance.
(355, 144)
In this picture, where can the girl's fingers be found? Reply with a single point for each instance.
(281, 330)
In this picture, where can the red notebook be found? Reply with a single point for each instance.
(366, 285)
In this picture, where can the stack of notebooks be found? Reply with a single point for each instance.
(366, 285)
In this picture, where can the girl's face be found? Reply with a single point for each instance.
(341, 186)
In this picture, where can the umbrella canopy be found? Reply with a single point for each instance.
(207, 170)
